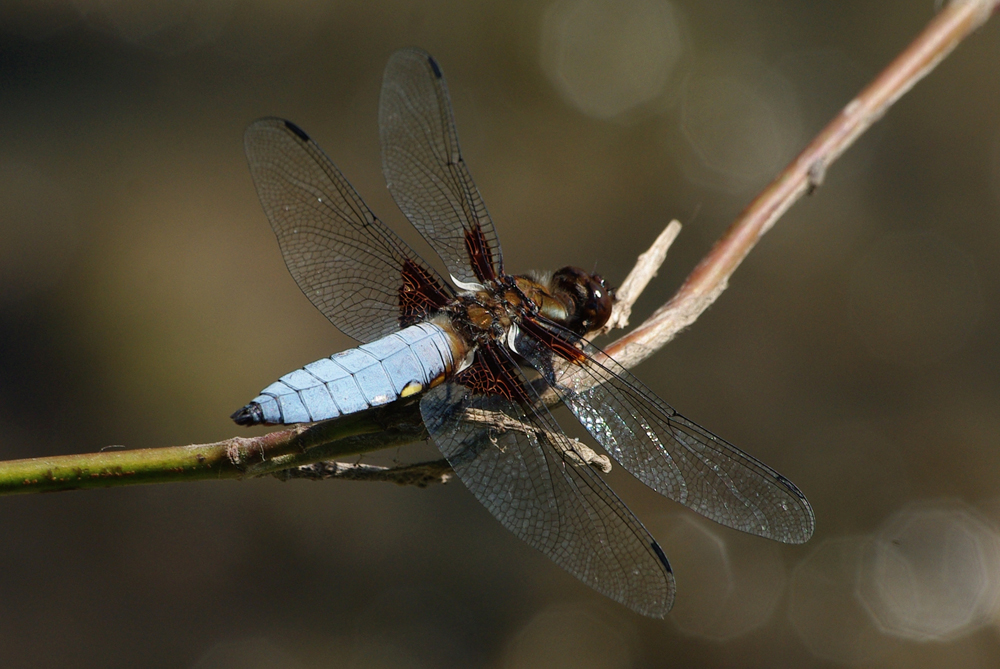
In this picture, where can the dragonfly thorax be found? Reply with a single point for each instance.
(576, 300)
(486, 315)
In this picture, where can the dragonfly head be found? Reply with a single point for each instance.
(590, 298)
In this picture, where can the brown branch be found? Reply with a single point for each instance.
(804, 174)
(287, 451)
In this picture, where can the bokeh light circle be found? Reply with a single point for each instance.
(741, 122)
(824, 609)
(726, 586)
(606, 58)
(931, 572)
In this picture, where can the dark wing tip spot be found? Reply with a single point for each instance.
(791, 487)
(434, 66)
(662, 556)
(299, 132)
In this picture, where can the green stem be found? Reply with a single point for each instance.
(239, 457)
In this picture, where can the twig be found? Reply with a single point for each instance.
(396, 424)
(803, 175)
(577, 453)
(645, 269)
(400, 424)
(423, 474)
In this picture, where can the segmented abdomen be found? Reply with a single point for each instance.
(398, 365)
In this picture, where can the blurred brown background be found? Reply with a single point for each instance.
(143, 299)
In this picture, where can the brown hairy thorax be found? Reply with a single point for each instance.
(577, 300)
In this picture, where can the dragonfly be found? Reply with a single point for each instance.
(483, 348)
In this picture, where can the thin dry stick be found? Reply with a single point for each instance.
(396, 425)
(423, 474)
(645, 269)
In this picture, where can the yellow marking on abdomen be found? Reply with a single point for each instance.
(412, 388)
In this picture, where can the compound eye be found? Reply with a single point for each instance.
(599, 303)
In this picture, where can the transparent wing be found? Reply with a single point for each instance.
(671, 454)
(519, 464)
(355, 270)
(424, 169)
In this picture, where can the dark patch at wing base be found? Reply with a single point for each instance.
(553, 341)
(420, 294)
(493, 374)
(479, 255)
